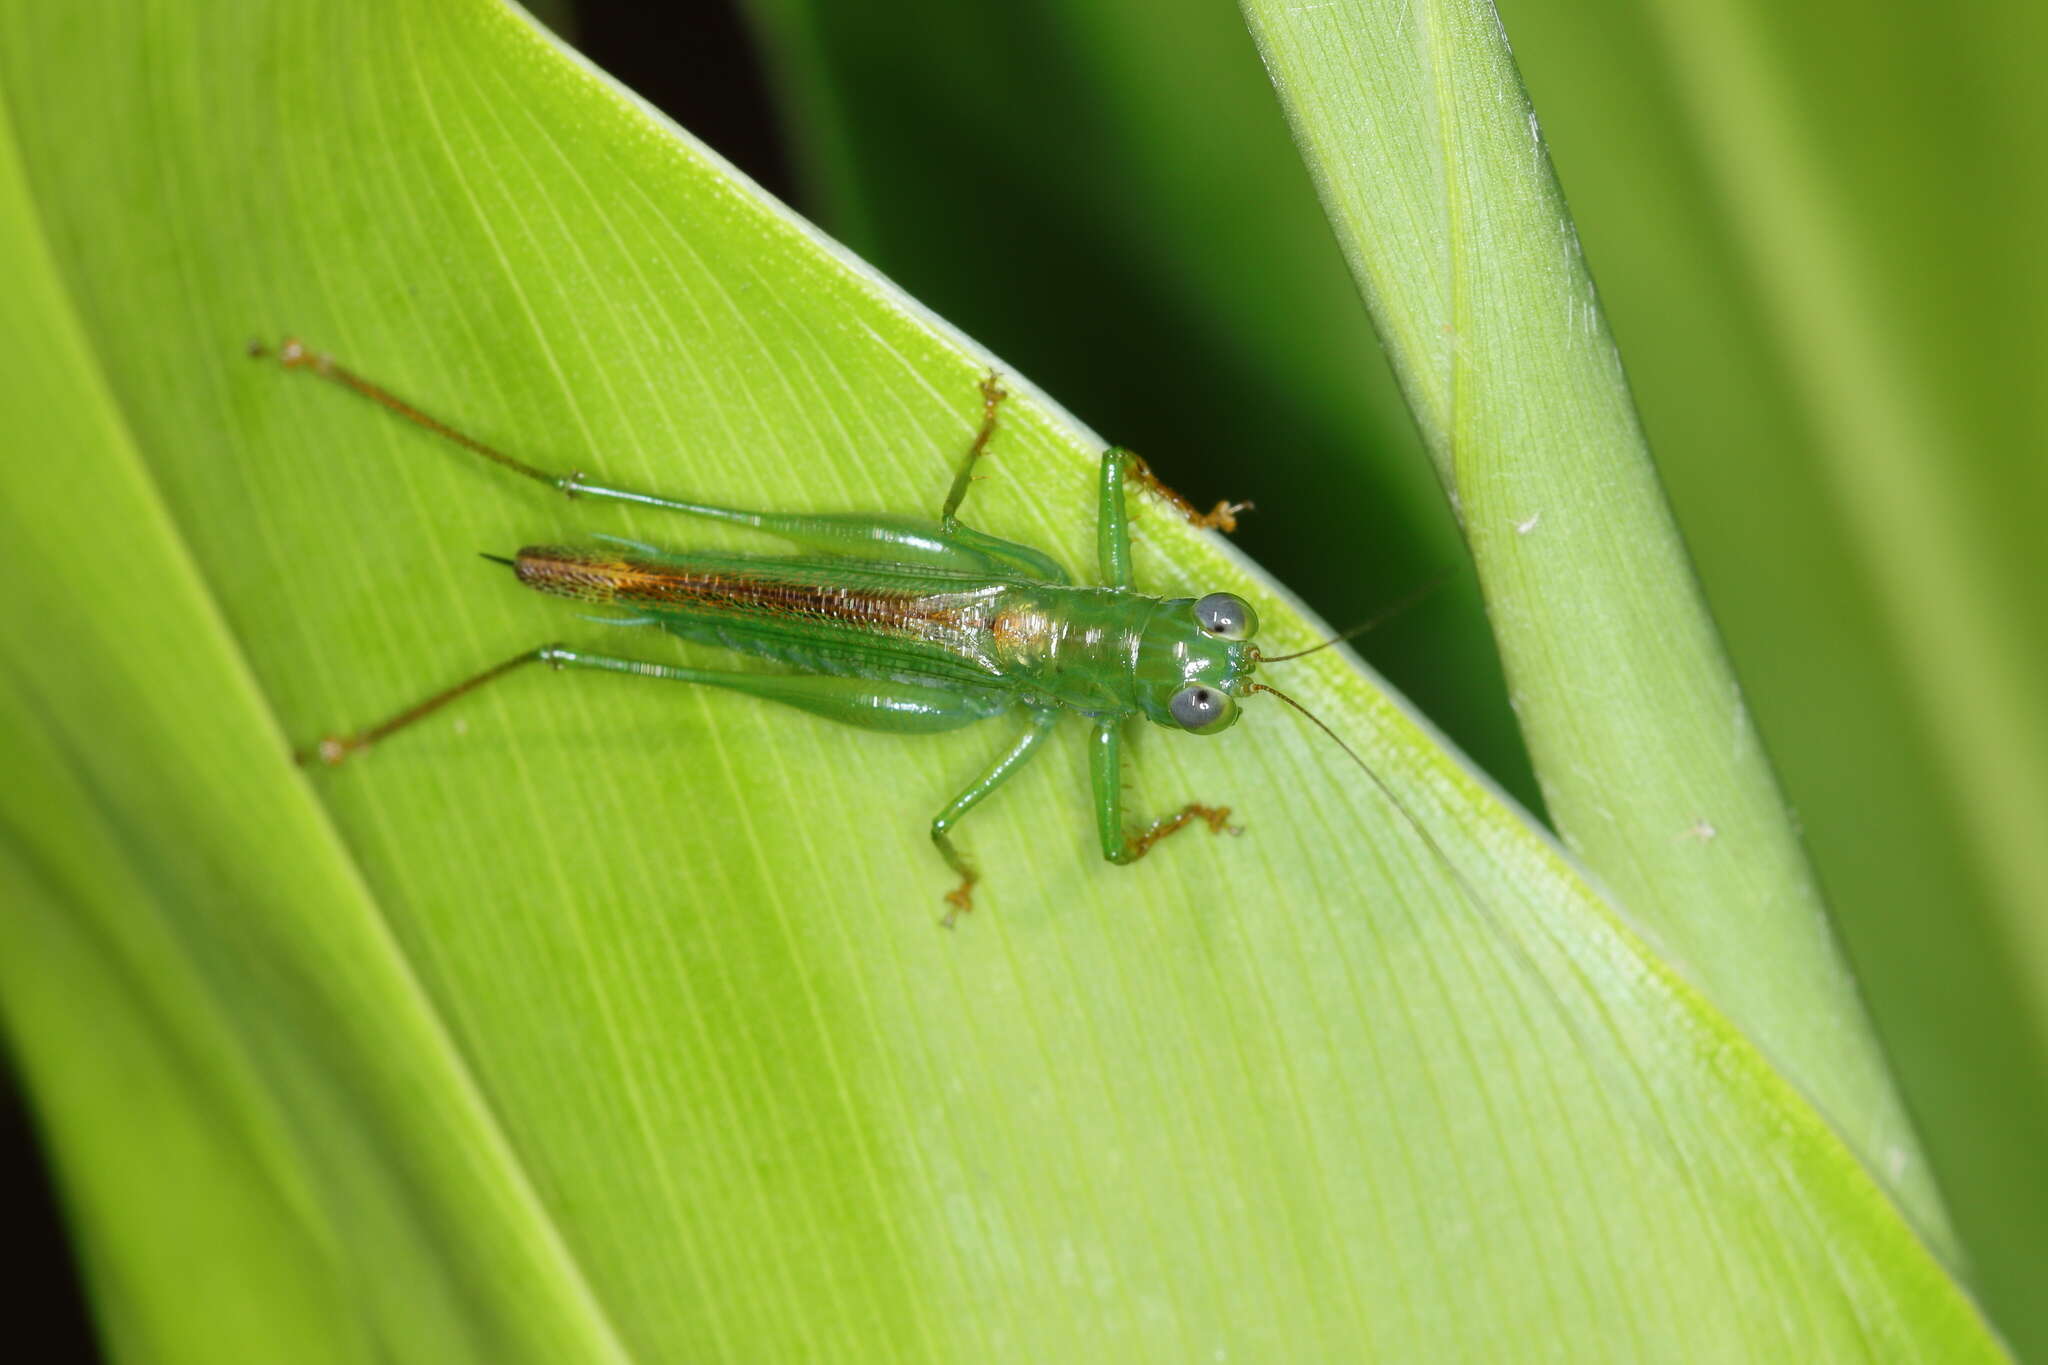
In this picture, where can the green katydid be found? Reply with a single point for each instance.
(904, 625)
(918, 627)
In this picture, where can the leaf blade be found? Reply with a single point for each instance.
(771, 1109)
(1458, 234)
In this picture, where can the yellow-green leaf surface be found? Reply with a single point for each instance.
(608, 1020)
(941, 139)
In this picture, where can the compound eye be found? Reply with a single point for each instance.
(1225, 616)
(1201, 709)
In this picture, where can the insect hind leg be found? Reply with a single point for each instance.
(333, 749)
(294, 354)
(904, 708)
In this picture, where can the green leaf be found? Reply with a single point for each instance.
(1650, 764)
(1821, 268)
(608, 1019)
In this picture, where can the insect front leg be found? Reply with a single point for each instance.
(1121, 845)
(1112, 522)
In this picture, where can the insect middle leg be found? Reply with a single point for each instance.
(1123, 845)
(961, 897)
(992, 396)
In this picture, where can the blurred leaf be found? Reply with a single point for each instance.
(1809, 232)
(1461, 244)
(610, 1021)
(270, 1147)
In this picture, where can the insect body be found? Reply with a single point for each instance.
(902, 625)
(918, 627)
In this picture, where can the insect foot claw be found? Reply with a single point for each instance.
(331, 750)
(290, 353)
(961, 898)
(1223, 517)
(1138, 843)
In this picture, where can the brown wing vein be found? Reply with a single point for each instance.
(591, 578)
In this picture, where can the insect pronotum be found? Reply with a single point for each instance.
(905, 625)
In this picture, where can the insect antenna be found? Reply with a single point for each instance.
(1386, 790)
(1640, 1095)
(1378, 618)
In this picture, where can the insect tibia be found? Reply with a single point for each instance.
(333, 749)
(1222, 517)
(294, 354)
